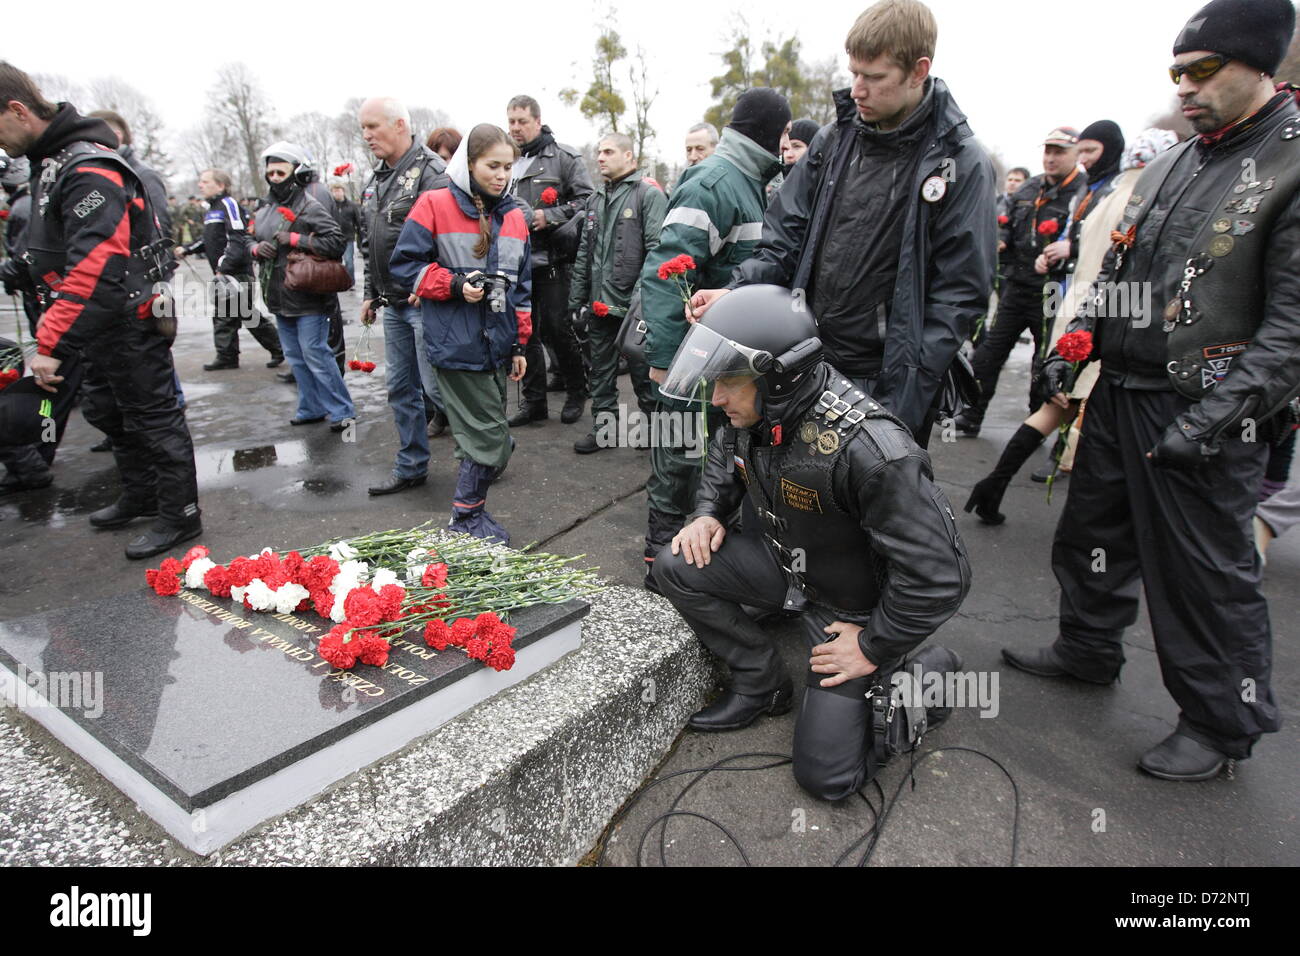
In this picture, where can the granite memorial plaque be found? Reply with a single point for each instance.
(215, 718)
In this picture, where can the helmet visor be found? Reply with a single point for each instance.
(704, 357)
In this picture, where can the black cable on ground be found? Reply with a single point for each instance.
(873, 833)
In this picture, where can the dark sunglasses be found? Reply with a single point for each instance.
(1200, 70)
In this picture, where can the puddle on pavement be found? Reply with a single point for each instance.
(214, 464)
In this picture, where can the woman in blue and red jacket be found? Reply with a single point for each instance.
(465, 253)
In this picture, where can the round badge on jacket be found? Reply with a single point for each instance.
(934, 189)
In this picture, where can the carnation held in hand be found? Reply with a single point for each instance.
(454, 589)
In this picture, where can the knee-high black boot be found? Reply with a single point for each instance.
(987, 494)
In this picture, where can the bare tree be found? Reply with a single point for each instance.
(238, 102)
(317, 134)
(211, 145)
(111, 93)
(425, 120)
(58, 88)
(642, 100)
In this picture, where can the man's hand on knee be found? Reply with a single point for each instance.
(699, 539)
(841, 656)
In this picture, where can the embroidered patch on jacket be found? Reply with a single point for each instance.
(740, 463)
(1219, 359)
(799, 497)
(92, 201)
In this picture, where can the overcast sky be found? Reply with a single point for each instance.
(1016, 69)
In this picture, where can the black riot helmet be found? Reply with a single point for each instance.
(758, 331)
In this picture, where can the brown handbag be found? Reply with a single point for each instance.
(307, 272)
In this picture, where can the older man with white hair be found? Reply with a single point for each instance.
(406, 169)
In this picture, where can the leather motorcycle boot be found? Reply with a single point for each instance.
(934, 659)
(123, 511)
(554, 383)
(528, 413)
(587, 444)
(733, 711)
(1045, 662)
(574, 406)
(218, 364)
(160, 538)
(24, 469)
(968, 422)
(987, 494)
(395, 484)
(1179, 757)
(12, 483)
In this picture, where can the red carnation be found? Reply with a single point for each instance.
(217, 580)
(8, 377)
(435, 575)
(550, 196)
(600, 308)
(486, 622)
(362, 607)
(437, 635)
(241, 571)
(367, 366)
(1003, 220)
(333, 649)
(318, 573)
(171, 565)
(1074, 346)
(503, 635)
(354, 365)
(462, 629)
(193, 554)
(501, 658)
(288, 213)
(677, 265)
(1049, 228)
(302, 605)
(293, 562)
(323, 601)
(165, 583)
(477, 648)
(342, 169)
(374, 650)
(390, 599)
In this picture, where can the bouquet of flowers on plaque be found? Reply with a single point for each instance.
(458, 589)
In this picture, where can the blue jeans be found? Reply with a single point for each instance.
(410, 377)
(305, 340)
(347, 258)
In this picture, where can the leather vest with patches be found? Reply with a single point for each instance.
(1220, 303)
(825, 553)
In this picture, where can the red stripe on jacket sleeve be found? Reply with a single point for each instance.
(81, 281)
(525, 325)
(111, 175)
(434, 282)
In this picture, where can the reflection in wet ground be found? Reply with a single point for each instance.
(213, 464)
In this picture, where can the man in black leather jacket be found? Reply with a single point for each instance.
(856, 537)
(14, 173)
(887, 222)
(1178, 427)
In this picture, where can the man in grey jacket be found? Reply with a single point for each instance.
(406, 169)
(551, 181)
(896, 276)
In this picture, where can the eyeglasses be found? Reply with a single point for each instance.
(276, 174)
(1199, 70)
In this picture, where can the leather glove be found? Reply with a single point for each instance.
(1176, 450)
(1056, 375)
(265, 249)
(578, 320)
(282, 237)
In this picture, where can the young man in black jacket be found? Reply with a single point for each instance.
(348, 215)
(225, 243)
(886, 225)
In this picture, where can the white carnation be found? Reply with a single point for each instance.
(194, 573)
(261, 597)
(288, 597)
(237, 593)
(342, 551)
(384, 576)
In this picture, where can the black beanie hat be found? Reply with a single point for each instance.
(1256, 32)
(1111, 138)
(804, 130)
(761, 114)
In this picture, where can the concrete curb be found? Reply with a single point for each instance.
(530, 777)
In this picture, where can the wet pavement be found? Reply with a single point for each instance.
(1070, 748)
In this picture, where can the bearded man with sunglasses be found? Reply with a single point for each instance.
(1178, 429)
